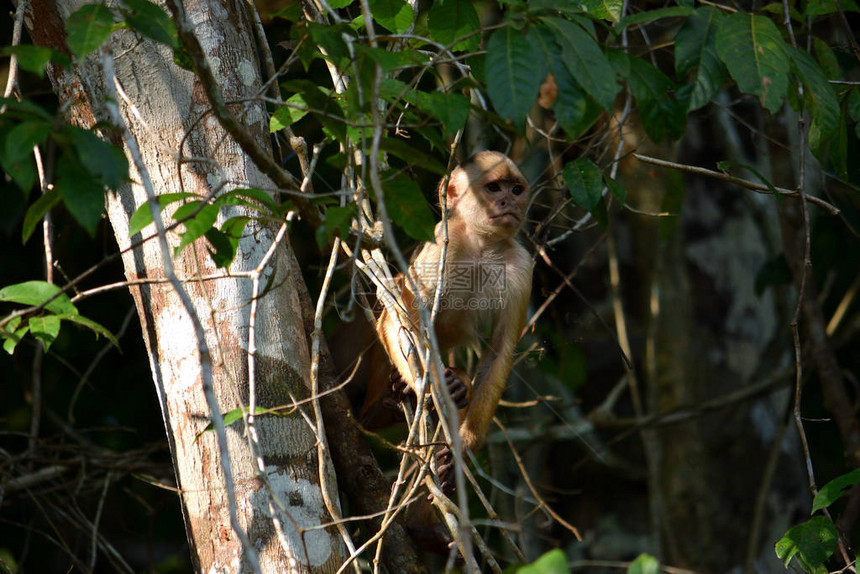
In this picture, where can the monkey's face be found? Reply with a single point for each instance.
(490, 195)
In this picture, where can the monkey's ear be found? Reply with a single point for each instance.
(453, 191)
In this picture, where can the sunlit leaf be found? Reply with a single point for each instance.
(811, 542)
(834, 489)
(142, 216)
(396, 15)
(552, 562)
(35, 293)
(644, 564)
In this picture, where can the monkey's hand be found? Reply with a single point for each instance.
(457, 387)
(444, 466)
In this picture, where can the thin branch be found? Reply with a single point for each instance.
(751, 185)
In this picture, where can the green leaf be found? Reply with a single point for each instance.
(412, 155)
(337, 220)
(754, 53)
(814, 8)
(696, 54)
(604, 9)
(811, 542)
(585, 61)
(35, 58)
(451, 20)
(88, 28)
(552, 562)
(83, 194)
(225, 241)
(648, 16)
(515, 69)
(831, 491)
(616, 188)
(819, 97)
(451, 109)
(196, 226)
(294, 109)
(142, 216)
(13, 334)
(36, 212)
(396, 15)
(36, 293)
(326, 109)
(662, 115)
(258, 196)
(644, 564)
(584, 182)
(45, 329)
(149, 20)
(91, 325)
(408, 208)
(22, 138)
(101, 159)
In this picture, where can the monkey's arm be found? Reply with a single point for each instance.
(495, 365)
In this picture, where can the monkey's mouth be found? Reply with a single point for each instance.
(508, 216)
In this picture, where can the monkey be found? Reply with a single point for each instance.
(486, 288)
(488, 283)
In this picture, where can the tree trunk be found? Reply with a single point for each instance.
(278, 497)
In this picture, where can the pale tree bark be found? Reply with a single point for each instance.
(276, 493)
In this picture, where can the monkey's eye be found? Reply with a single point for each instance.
(493, 187)
(517, 190)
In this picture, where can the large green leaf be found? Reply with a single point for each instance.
(201, 218)
(454, 19)
(819, 98)
(661, 113)
(35, 58)
(88, 28)
(754, 53)
(585, 61)
(408, 208)
(515, 68)
(696, 54)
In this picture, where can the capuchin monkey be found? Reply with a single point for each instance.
(484, 299)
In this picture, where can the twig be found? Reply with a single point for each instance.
(751, 185)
